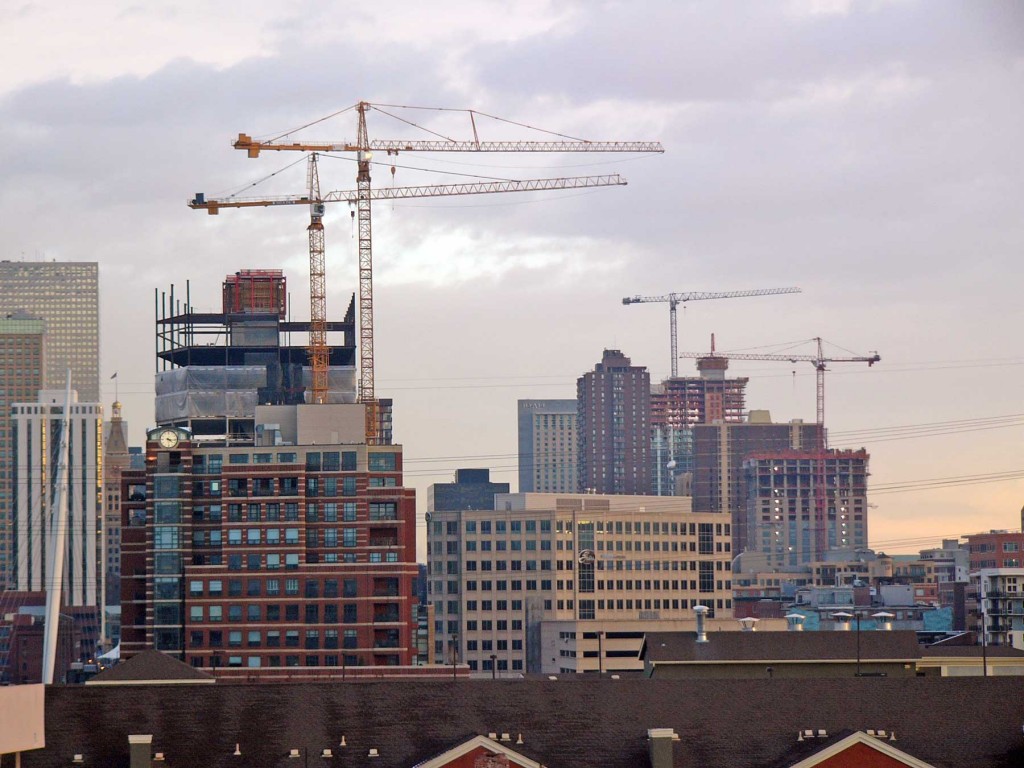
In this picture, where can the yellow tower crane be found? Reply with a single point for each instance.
(361, 197)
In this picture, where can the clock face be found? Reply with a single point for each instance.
(169, 438)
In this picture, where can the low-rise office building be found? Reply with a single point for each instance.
(495, 576)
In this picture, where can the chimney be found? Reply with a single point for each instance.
(659, 746)
(702, 635)
(795, 622)
(884, 620)
(749, 624)
(139, 746)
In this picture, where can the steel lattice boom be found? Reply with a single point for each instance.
(675, 299)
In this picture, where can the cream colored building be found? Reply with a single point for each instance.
(496, 576)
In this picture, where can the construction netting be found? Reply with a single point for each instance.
(198, 391)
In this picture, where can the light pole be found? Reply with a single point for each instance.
(494, 666)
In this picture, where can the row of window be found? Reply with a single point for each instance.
(316, 461)
(254, 561)
(256, 587)
(254, 612)
(329, 660)
(619, 527)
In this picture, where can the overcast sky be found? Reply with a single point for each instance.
(868, 152)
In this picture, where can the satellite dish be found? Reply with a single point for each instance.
(671, 464)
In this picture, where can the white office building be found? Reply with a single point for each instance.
(35, 439)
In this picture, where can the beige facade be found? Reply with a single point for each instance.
(614, 646)
(67, 296)
(21, 378)
(495, 576)
(548, 446)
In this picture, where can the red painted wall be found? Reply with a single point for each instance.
(861, 756)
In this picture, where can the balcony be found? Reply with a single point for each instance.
(389, 616)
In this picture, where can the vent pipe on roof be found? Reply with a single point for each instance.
(795, 622)
(748, 624)
(659, 746)
(884, 620)
(701, 611)
(842, 621)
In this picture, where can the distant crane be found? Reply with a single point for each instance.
(819, 361)
(675, 299)
(364, 147)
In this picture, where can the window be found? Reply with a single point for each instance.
(382, 462)
(291, 586)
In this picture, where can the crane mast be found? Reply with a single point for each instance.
(363, 222)
(318, 355)
(675, 299)
(361, 198)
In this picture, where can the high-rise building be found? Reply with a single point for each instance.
(719, 450)
(677, 404)
(265, 536)
(783, 499)
(115, 461)
(472, 489)
(496, 575)
(66, 296)
(613, 427)
(35, 436)
(21, 378)
(547, 446)
(294, 554)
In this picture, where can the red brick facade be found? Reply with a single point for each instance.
(294, 556)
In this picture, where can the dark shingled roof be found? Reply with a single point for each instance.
(662, 647)
(578, 723)
(150, 666)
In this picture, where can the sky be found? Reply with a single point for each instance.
(867, 152)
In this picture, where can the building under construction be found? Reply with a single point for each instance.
(213, 369)
(784, 524)
(681, 402)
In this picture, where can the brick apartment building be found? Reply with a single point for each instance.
(613, 426)
(299, 556)
(996, 549)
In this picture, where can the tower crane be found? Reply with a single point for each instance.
(820, 362)
(675, 299)
(361, 198)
